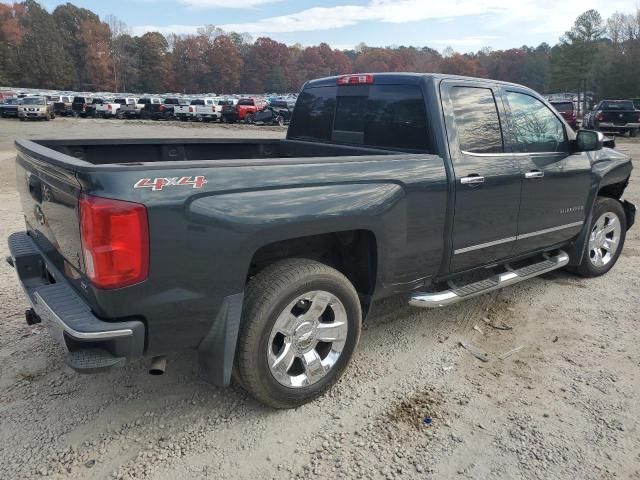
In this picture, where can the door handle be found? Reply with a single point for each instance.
(472, 180)
(534, 174)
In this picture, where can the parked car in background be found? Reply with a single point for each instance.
(108, 108)
(162, 110)
(79, 106)
(147, 102)
(131, 108)
(224, 102)
(613, 116)
(9, 107)
(204, 109)
(35, 108)
(244, 110)
(183, 111)
(273, 115)
(6, 94)
(568, 112)
(92, 108)
(62, 105)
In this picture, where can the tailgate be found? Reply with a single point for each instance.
(621, 118)
(49, 197)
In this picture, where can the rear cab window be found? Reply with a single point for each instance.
(566, 107)
(378, 115)
(617, 105)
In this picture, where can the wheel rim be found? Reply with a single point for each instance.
(307, 339)
(604, 239)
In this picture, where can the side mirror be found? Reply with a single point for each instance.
(589, 140)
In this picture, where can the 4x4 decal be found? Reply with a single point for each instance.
(159, 183)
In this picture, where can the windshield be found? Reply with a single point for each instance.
(197, 102)
(33, 101)
(617, 105)
(11, 101)
(144, 101)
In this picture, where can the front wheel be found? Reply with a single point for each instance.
(606, 238)
(300, 325)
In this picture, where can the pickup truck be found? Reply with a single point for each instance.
(614, 116)
(244, 111)
(131, 108)
(108, 108)
(62, 105)
(147, 102)
(9, 107)
(568, 112)
(184, 111)
(266, 255)
(160, 111)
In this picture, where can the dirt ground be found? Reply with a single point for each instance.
(563, 406)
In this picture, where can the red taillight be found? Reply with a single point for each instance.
(191, 109)
(600, 116)
(363, 79)
(162, 108)
(115, 241)
(109, 107)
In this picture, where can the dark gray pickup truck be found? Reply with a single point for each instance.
(614, 116)
(265, 255)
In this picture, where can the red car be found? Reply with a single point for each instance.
(567, 111)
(245, 110)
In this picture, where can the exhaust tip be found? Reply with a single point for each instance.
(158, 365)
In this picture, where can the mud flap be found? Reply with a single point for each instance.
(216, 352)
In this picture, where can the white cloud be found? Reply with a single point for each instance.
(471, 41)
(225, 3)
(166, 29)
(542, 16)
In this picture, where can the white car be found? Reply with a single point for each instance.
(108, 108)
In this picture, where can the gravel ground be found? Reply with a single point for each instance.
(564, 406)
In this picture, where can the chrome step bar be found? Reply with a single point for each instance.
(501, 280)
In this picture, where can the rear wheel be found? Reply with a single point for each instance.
(633, 133)
(300, 326)
(606, 238)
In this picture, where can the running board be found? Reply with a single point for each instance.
(510, 277)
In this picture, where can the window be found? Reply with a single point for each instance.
(566, 107)
(535, 127)
(392, 116)
(616, 105)
(477, 121)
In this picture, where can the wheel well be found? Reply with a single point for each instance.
(352, 252)
(615, 190)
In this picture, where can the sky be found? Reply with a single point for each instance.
(464, 25)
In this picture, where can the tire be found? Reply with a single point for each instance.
(633, 133)
(249, 119)
(276, 290)
(280, 121)
(606, 208)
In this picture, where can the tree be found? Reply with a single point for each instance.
(11, 37)
(98, 63)
(226, 64)
(69, 20)
(572, 61)
(44, 62)
(266, 62)
(152, 62)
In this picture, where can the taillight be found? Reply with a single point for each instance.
(600, 116)
(363, 79)
(162, 108)
(191, 109)
(109, 107)
(115, 241)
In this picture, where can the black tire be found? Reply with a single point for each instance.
(603, 205)
(633, 133)
(266, 296)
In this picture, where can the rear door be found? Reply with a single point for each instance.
(555, 182)
(487, 178)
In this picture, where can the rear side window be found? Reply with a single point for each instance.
(391, 116)
(477, 121)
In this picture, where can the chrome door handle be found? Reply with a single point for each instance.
(534, 174)
(472, 180)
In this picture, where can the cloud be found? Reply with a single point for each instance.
(225, 3)
(166, 29)
(471, 41)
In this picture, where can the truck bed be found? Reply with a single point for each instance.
(139, 151)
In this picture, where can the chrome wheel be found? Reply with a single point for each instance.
(604, 239)
(307, 339)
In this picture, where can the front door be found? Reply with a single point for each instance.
(487, 179)
(555, 183)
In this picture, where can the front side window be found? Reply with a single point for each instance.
(535, 127)
(477, 120)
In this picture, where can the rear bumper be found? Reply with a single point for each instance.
(614, 126)
(65, 312)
